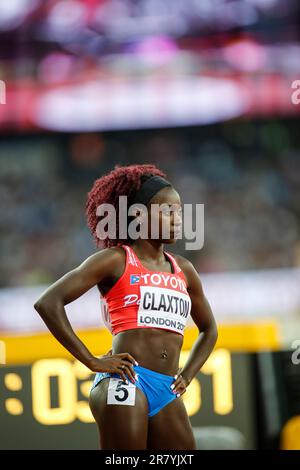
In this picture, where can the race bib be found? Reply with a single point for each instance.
(119, 393)
(163, 308)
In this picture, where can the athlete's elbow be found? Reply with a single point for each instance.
(44, 305)
(40, 305)
(210, 330)
(213, 332)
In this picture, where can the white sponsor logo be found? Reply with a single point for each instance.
(131, 299)
(166, 280)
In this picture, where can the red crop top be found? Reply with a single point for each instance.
(147, 299)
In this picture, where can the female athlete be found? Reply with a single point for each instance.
(149, 293)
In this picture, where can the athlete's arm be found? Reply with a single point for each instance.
(97, 268)
(203, 317)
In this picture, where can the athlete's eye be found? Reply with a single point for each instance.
(169, 211)
(166, 212)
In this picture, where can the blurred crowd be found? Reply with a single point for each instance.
(247, 174)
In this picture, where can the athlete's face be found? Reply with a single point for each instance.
(165, 222)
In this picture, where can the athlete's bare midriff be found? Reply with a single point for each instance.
(153, 348)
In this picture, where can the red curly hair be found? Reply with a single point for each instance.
(121, 181)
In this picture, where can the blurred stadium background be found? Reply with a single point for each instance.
(203, 89)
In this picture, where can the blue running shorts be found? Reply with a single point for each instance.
(154, 385)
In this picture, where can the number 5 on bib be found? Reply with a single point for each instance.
(119, 393)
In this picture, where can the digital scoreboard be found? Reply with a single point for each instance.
(44, 405)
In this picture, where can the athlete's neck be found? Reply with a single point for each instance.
(149, 250)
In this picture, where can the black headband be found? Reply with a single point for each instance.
(149, 188)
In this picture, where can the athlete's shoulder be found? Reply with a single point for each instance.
(107, 259)
(187, 267)
(182, 262)
(114, 253)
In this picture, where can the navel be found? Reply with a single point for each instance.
(164, 354)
